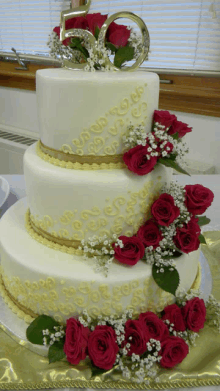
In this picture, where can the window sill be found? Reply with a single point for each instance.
(189, 94)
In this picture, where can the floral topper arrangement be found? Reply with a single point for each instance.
(137, 348)
(89, 40)
(163, 145)
(120, 41)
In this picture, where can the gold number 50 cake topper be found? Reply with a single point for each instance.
(75, 32)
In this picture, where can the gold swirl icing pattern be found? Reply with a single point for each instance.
(112, 123)
(62, 299)
(122, 215)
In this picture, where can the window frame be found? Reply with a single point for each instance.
(196, 94)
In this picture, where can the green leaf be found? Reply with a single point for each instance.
(56, 352)
(202, 239)
(123, 54)
(34, 331)
(170, 163)
(203, 220)
(112, 47)
(76, 44)
(168, 280)
(175, 136)
(97, 371)
(96, 34)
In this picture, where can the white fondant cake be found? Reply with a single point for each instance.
(84, 115)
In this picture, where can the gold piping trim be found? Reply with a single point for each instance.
(46, 241)
(77, 162)
(48, 236)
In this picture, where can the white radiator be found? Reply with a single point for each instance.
(12, 148)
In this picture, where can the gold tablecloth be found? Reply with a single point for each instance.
(22, 369)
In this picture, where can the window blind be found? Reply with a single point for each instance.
(184, 35)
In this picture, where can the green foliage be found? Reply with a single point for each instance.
(176, 254)
(76, 43)
(97, 371)
(96, 34)
(175, 136)
(56, 352)
(122, 55)
(34, 331)
(168, 280)
(171, 163)
(202, 239)
(112, 47)
(203, 220)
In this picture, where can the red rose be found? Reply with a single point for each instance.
(186, 240)
(95, 20)
(198, 198)
(194, 313)
(194, 226)
(118, 34)
(174, 315)
(137, 162)
(132, 251)
(179, 127)
(164, 210)
(154, 326)
(80, 22)
(76, 341)
(102, 347)
(137, 336)
(173, 351)
(150, 234)
(164, 118)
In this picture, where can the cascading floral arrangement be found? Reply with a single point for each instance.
(136, 347)
(139, 347)
(121, 41)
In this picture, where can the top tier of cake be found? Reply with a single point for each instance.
(86, 113)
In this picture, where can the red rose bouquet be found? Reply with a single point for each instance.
(163, 145)
(136, 347)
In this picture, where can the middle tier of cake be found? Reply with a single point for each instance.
(73, 205)
(41, 280)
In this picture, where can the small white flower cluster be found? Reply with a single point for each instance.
(51, 337)
(188, 335)
(135, 135)
(156, 257)
(98, 56)
(141, 366)
(213, 312)
(60, 51)
(179, 146)
(135, 41)
(101, 250)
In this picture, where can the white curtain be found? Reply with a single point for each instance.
(184, 34)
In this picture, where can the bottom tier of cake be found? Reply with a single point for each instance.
(41, 280)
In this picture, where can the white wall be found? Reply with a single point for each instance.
(18, 112)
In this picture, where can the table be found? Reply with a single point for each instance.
(17, 191)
